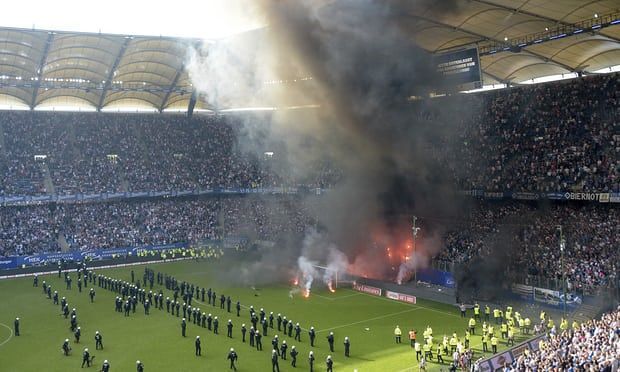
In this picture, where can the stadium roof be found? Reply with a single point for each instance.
(522, 39)
(517, 39)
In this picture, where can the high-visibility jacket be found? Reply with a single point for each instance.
(494, 341)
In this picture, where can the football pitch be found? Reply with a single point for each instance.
(157, 342)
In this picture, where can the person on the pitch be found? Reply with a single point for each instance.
(232, 356)
(66, 348)
(329, 363)
(216, 325)
(238, 307)
(311, 360)
(139, 366)
(77, 334)
(283, 349)
(259, 342)
(274, 361)
(297, 332)
(16, 326)
(197, 344)
(229, 326)
(397, 335)
(98, 341)
(91, 294)
(347, 346)
(312, 335)
(106, 366)
(85, 358)
(294, 354)
(252, 334)
(330, 341)
(243, 331)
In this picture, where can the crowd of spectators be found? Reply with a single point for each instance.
(553, 137)
(114, 152)
(45, 228)
(560, 136)
(593, 346)
(531, 238)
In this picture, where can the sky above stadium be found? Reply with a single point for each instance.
(207, 19)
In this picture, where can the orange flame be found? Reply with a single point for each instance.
(296, 281)
(331, 287)
(306, 293)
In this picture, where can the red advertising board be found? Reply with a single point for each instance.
(367, 289)
(400, 297)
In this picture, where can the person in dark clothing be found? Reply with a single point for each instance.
(85, 358)
(329, 363)
(229, 326)
(197, 344)
(259, 342)
(274, 344)
(312, 335)
(347, 346)
(66, 348)
(77, 334)
(183, 327)
(238, 307)
(311, 360)
(139, 366)
(98, 341)
(105, 367)
(216, 324)
(252, 334)
(232, 356)
(16, 326)
(330, 340)
(243, 331)
(274, 361)
(283, 349)
(294, 354)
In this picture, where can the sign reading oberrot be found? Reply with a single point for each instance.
(460, 68)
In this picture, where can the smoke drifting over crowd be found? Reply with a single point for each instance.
(354, 61)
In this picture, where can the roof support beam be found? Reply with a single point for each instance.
(37, 85)
(171, 88)
(108, 82)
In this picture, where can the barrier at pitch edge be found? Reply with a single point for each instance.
(595, 197)
(497, 361)
(76, 256)
(546, 296)
(400, 297)
(367, 289)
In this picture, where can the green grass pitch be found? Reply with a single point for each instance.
(156, 339)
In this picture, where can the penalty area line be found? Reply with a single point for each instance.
(369, 320)
(10, 336)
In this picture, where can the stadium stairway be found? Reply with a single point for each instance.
(47, 179)
(2, 143)
(62, 242)
(585, 312)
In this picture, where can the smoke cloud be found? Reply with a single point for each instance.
(356, 63)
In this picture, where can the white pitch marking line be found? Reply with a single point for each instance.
(394, 302)
(368, 320)
(10, 337)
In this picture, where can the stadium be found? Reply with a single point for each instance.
(353, 186)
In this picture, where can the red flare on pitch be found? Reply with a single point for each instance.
(331, 288)
(295, 281)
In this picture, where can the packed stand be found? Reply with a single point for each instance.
(591, 233)
(43, 229)
(593, 346)
(114, 152)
